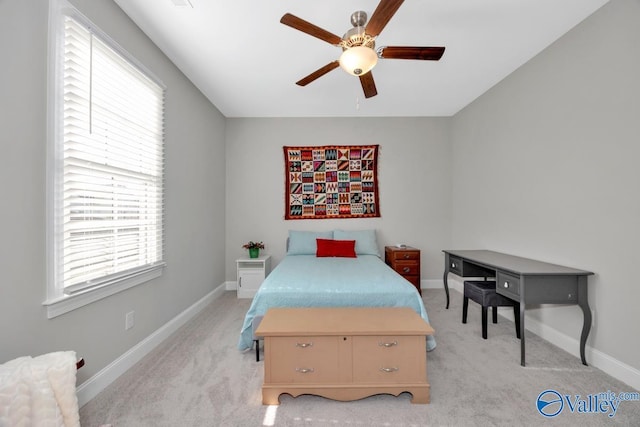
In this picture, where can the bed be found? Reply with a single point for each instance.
(303, 279)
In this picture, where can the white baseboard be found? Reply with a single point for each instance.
(94, 385)
(231, 285)
(621, 371)
(596, 358)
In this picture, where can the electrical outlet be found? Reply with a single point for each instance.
(129, 320)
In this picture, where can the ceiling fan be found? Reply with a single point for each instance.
(358, 43)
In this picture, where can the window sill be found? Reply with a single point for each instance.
(66, 303)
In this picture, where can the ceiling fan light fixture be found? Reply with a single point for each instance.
(358, 60)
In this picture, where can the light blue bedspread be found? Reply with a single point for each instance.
(308, 281)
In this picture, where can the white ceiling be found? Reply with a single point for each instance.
(246, 63)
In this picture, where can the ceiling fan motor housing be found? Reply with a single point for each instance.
(356, 36)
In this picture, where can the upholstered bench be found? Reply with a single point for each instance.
(484, 293)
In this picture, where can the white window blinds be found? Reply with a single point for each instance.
(109, 201)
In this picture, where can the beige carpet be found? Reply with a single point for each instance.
(198, 378)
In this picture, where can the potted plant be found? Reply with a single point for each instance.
(254, 248)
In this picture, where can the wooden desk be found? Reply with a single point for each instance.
(344, 353)
(524, 280)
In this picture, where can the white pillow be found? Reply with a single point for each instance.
(366, 242)
(304, 242)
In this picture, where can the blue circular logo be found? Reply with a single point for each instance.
(549, 403)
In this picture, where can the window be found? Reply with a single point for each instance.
(106, 167)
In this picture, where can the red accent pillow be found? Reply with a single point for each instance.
(336, 248)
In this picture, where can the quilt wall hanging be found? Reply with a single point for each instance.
(333, 181)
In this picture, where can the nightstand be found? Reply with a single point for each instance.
(251, 272)
(406, 262)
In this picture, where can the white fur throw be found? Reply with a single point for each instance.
(39, 391)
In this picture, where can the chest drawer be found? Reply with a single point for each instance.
(407, 268)
(508, 284)
(404, 255)
(389, 359)
(304, 359)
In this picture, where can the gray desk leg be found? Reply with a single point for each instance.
(522, 307)
(583, 302)
(444, 279)
(446, 275)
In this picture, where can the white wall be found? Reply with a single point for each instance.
(194, 182)
(414, 182)
(545, 165)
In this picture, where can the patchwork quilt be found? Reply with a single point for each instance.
(331, 182)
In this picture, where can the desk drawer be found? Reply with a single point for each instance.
(455, 265)
(508, 284)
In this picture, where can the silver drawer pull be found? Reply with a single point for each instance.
(388, 344)
(506, 284)
(304, 344)
(406, 256)
(453, 265)
(389, 370)
(304, 370)
(406, 269)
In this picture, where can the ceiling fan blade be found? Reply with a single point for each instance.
(381, 16)
(409, 52)
(309, 28)
(368, 85)
(318, 73)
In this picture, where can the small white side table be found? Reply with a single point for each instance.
(251, 272)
